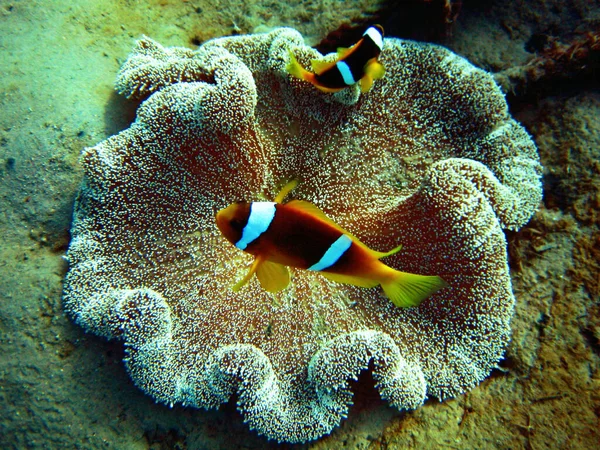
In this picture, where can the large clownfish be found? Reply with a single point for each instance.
(357, 64)
(298, 234)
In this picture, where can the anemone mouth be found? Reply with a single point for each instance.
(429, 159)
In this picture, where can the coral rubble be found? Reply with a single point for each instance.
(554, 66)
(430, 159)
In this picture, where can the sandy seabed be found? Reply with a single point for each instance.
(63, 388)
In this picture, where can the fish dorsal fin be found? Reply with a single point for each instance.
(313, 210)
(319, 66)
(309, 208)
(273, 277)
(380, 255)
(290, 185)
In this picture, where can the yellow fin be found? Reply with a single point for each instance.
(285, 191)
(309, 208)
(366, 82)
(409, 289)
(342, 52)
(253, 268)
(273, 277)
(380, 255)
(313, 210)
(349, 279)
(294, 68)
(319, 66)
(328, 90)
(374, 69)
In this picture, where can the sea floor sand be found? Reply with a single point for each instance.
(63, 388)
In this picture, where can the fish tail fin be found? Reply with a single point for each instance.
(296, 70)
(409, 289)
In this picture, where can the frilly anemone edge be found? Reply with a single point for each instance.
(429, 158)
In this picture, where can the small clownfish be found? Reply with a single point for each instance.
(357, 64)
(298, 234)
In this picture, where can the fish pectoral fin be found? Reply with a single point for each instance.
(349, 279)
(374, 69)
(409, 289)
(273, 277)
(253, 268)
(319, 66)
(366, 82)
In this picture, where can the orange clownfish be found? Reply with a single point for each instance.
(357, 64)
(298, 234)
